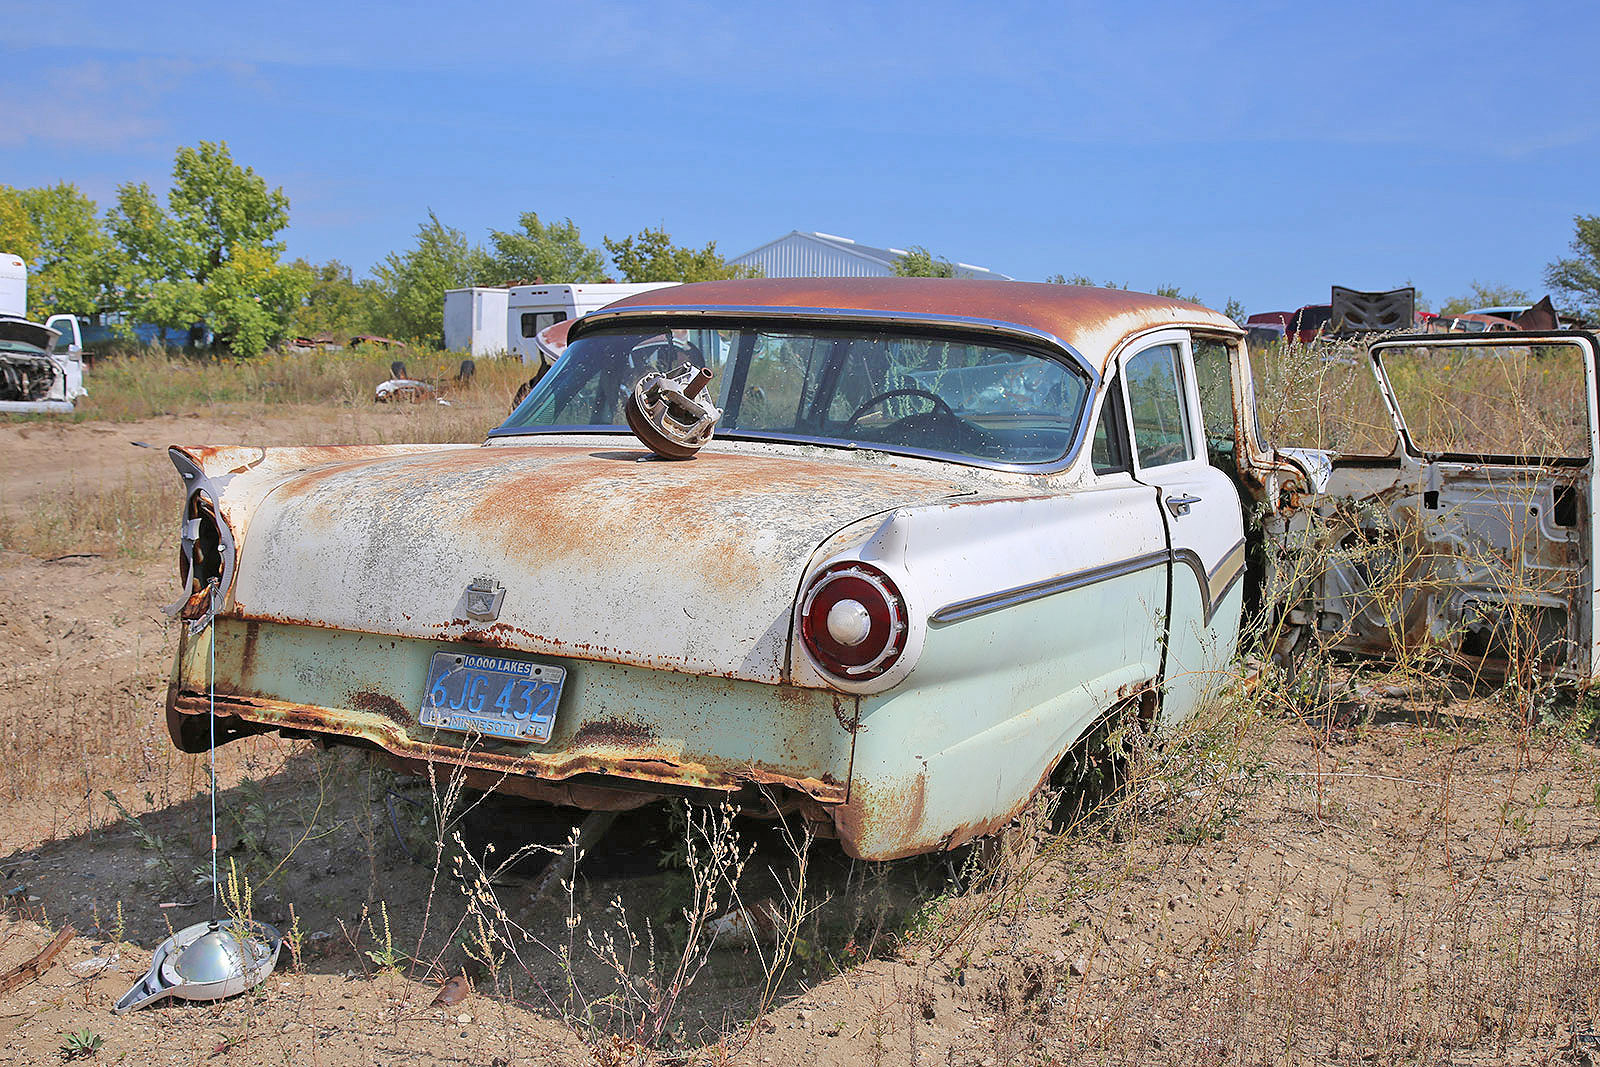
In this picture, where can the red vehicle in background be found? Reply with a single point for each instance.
(1305, 324)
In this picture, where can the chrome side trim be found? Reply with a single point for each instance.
(1215, 584)
(1222, 594)
(1225, 576)
(1214, 587)
(962, 610)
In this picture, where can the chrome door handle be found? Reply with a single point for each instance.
(1179, 505)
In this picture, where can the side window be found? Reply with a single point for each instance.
(1108, 453)
(1213, 379)
(1156, 407)
(533, 322)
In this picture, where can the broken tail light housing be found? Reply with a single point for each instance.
(853, 621)
(200, 550)
(206, 552)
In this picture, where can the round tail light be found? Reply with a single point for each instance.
(853, 620)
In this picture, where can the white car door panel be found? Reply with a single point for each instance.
(1202, 515)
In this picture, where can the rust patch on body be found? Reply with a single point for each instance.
(247, 657)
(612, 733)
(382, 704)
(849, 718)
(558, 503)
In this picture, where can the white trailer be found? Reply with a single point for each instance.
(13, 286)
(475, 320)
(534, 307)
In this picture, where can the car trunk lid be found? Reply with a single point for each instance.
(603, 553)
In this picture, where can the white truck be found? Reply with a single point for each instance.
(41, 365)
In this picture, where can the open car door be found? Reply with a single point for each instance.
(1475, 538)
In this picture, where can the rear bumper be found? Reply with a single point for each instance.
(623, 735)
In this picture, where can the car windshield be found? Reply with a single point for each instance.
(897, 391)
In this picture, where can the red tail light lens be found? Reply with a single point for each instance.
(853, 620)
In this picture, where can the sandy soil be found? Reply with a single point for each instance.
(1421, 888)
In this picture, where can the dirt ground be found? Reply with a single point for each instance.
(1421, 887)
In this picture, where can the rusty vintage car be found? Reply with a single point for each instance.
(944, 528)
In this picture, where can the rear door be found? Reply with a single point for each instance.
(1201, 512)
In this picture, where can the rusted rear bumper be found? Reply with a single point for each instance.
(582, 781)
(624, 735)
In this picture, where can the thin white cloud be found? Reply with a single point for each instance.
(100, 104)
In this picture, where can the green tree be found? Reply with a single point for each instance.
(1234, 309)
(650, 256)
(1083, 279)
(17, 233)
(544, 252)
(334, 301)
(1484, 296)
(211, 253)
(412, 283)
(71, 260)
(219, 207)
(1175, 292)
(253, 297)
(1577, 278)
(920, 263)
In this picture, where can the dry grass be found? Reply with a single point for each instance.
(126, 388)
(1267, 889)
(1527, 400)
(131, 521)
(1503, 400)
(318, 398)
(1321, 396)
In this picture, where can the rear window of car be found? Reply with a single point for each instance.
(899, 391)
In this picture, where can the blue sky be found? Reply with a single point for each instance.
(1258, 151)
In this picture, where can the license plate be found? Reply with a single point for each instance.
(492, 695)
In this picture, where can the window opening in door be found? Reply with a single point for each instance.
(1155, 401)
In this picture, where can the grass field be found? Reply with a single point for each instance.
(1290, 879)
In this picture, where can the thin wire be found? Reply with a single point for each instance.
(211, 693)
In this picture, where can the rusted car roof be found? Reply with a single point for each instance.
(1091, 320)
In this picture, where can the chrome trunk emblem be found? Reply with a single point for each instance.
(484, 597)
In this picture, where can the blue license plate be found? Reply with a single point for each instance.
(492, 695)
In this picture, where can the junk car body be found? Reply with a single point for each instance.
(1472, 536)
(41, 365)
(944, 527)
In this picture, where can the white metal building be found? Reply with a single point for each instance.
(799, 254)
(475, 320)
